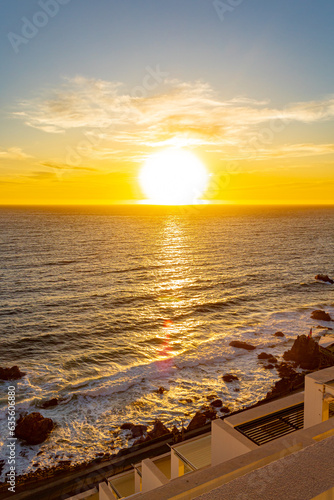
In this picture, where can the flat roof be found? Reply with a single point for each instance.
(301, 476)
(197, 452)
(272, 426)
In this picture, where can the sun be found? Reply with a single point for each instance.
(173, 177)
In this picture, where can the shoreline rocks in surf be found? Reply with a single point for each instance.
(305, 352)
(33, 428)
(13, 373)
(324, 277)
(321, 315)
(242, 345)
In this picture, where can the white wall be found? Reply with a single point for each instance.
(315, 409)
(177, 466)
(105, 492)
(152, 477)
(312, 402)
(227, 443)
(137, 482)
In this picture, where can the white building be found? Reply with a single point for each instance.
(280, 450)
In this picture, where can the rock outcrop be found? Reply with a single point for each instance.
(50, 404)
(321, 315)
(225, 409)
(242, 345)
(217, 403)
(211, 397)
(201, 417)
(268, 357)
(127, 426)
(324, 277)
(279, 334)
(12, 373)
(199, 420)
(161, 390)
(305, 352)
(229, 377)
(283, 386)
(33, 428)
(138, 430)
(159, 429)
(285, 371)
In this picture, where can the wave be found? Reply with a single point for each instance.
(216, 305)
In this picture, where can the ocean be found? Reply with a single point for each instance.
(101, 306)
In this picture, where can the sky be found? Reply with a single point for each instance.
(91, 90)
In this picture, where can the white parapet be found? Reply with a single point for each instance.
(92, 494)
(177, 466)
(105, 492)
(152, 477)
(228, 443)
(318, 386)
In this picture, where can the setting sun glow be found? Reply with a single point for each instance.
(173, 177)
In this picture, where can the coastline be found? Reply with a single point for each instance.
(86, 475)
(305, 354)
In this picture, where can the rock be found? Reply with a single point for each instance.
(199, 420)
(217, 403)
(127, 426)
(64, 463)
(279, 334)
(177, 435)
(201, 417)
(229, 377)
(305, 351)
(264, 355)
(225, 409)
(161, 390)
(286, 371)
(211, 397)
(50, 404)
(159, 429)
(269, 367)
(242, 345)
(138, 430)
(321, 315)
(269, 357)
(209, 412)
(12, 373)
(283, 386)
(324, 327)
(33, 428)
(141, 440)
(324, 277)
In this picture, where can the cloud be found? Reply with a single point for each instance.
(175, 113)
(64, 167)
(41, 175)
(297, 150)
(13, 154)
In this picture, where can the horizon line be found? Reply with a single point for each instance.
(136, 204)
